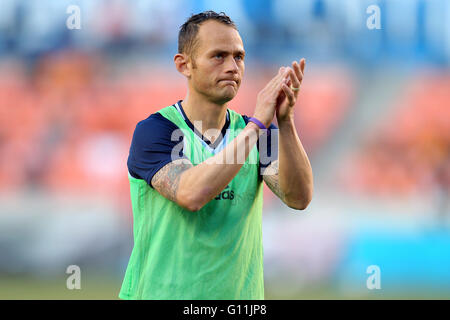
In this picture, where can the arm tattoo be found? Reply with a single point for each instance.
(167, 179)
(271, 177)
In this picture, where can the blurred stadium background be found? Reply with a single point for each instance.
(374, 117)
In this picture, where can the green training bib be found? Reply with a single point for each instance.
(214, 253)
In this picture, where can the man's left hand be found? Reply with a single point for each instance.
(288, 96)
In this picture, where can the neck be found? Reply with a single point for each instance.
(211, 115)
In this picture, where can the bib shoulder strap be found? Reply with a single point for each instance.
(172, 114)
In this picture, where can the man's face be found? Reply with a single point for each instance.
(218, 62)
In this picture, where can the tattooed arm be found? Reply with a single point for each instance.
(167, 179)
(290, 176)
(270, 177)
(192, 187)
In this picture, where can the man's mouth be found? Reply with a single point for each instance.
(229, 82)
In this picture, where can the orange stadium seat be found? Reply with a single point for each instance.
(406, 153)
(65, 113)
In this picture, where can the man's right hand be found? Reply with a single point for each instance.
(267, 97)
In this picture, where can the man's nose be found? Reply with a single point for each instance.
(231, 65)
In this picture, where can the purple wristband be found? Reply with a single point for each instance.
(259, 124)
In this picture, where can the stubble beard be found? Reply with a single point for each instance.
(226, 95)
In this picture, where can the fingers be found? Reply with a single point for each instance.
(274, 87)
(272, 81)
(302, 65)
(286, 76)
(279, 87)
(289, 94)
(298, 69)
(278, 77)
(284, 80)
(294, 76)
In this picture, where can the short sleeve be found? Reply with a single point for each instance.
(153, 146)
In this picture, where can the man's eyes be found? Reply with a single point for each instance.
(221, 56)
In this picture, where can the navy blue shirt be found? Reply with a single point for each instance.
(151, 146)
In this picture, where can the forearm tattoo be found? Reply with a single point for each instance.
(167, 179)
(271, 177)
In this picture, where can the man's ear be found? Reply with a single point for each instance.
(182, 63)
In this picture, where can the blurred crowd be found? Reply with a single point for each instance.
(66, 124)
(69, 99)
(409, 152)
(410, 30)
